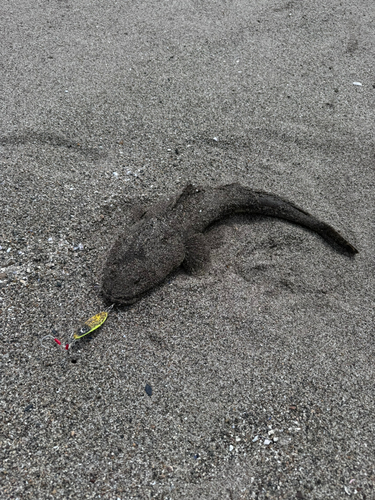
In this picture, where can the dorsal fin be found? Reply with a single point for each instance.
(188, 190)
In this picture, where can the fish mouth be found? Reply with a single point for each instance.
(124, 300)
(119, 299)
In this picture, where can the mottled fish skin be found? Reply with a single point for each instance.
(171, 234)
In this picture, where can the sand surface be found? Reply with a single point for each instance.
(262, 369)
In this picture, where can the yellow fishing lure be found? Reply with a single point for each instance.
(90, 325)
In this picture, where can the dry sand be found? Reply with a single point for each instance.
(262, 370)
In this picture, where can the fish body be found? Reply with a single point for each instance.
(172, 233)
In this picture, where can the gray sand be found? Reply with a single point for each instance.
(262, 369)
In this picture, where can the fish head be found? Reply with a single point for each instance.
(140, 260)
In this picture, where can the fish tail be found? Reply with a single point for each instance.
(278, 207)
(261, 203)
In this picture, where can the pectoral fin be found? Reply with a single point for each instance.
(197, 254)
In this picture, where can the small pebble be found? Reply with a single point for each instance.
(148, 390)
(255, 439)
(359, 84)
(267, 442)
(230, 448)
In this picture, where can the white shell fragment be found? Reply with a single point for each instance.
(359, 84)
